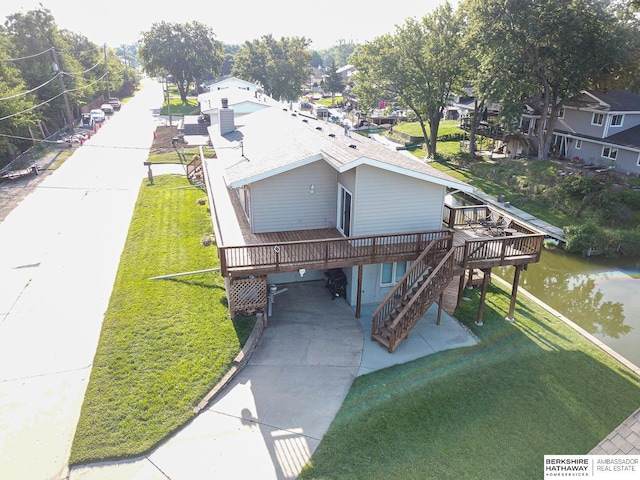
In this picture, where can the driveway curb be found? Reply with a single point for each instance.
(238, 363)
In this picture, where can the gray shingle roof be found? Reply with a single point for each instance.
(274, 140)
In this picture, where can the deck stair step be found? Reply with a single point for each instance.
(383, 340)
(411, 298)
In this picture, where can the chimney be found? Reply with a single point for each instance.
(226, 118)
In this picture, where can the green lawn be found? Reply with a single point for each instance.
(164, 343)
(530, 388)
(446, 127)
(327, 101)
(175, 157)
(179, 108)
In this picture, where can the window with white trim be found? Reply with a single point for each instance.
(561, 113)
(616, 120)
(609, 152)
(597, 119)
(391, 273)
(578, 143)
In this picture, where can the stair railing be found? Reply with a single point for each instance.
(415, 273)
(423, 298)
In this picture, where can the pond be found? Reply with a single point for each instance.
(601, 295)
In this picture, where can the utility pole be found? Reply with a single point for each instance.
(126, 64)
(56, 68)
(166, 78)
(106, 67)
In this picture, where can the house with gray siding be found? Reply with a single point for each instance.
(600, 128)
(281, 172)
(295, 198)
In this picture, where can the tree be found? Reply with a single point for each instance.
(280, 66)
(16, 109)
(548, 50)
(35, 38)
(340, 53)
(186, 51)
(316, 59)
(332, 81)
(418, 65)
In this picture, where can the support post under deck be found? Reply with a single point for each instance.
(514, 292)
(485, 286)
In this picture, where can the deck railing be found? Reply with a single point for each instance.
(325, 253)
(499, 251)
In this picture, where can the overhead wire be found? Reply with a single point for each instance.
(51, 99)
(28, 56)
(29, 91)
(115, 147)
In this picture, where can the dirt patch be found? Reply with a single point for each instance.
(163, 137)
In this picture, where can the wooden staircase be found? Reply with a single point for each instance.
(195, 175)
(417, 290)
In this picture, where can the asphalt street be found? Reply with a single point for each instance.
(60, 251)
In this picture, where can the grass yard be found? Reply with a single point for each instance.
(164, 343)
(179, 108)
(530, 176)
(174, 157)
(530, 388)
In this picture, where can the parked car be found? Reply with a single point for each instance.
(107, 108)
(97, 115)
(115, 103)
(86, 120)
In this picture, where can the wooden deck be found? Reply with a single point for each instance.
(477, 246)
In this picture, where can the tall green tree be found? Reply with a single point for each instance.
(280, 66)
(17, 113)
(186, 51)
(332, 81)
(340, 53)
(548, 49)
(418, 65)
(35, 39)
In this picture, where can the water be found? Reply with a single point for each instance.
(600, 295)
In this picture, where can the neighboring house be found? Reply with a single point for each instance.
(600, 128)
(243, 100)
(231, 83)
(346, 71)
(294, 197)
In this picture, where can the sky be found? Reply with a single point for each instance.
(117, 22)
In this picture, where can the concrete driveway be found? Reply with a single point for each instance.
(269, 420)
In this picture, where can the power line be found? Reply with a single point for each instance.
(51, 99)
(84, 71)
(28, 56)
(29, 91)
(114, 147)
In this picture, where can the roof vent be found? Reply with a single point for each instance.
(294, 114)
(285, 109)
(318, 128)
(332, 135)
(353, 146)
(305, 120)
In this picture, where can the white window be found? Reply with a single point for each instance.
(391, 273)
(578, 143)
(609, 152)
(616, 120)
(598, 119)
(561, 113)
